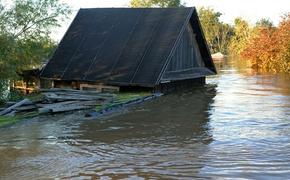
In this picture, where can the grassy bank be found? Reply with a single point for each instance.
(123, 98)
(9, 120)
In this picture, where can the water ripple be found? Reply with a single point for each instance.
(236, 127)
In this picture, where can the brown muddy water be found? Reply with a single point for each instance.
(236, 126)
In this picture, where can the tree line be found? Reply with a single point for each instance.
(266, 46)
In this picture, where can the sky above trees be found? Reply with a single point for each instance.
(251, 10)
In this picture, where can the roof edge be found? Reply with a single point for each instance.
(58, 45)
(208, 59)
(192, 9)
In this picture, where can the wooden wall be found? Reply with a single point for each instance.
(187, 54)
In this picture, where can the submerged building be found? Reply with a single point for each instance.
(124, 48)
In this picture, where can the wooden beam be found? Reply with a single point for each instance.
(11, 108)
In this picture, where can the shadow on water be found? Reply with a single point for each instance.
(165, 138)
(181, 115)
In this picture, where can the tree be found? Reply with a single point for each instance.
(242, 34)
(217, 34)
(264, 23)
(155, 3)
(25, 27)
(269, 50)
(223, 38)
(24, 35)
(32, 18)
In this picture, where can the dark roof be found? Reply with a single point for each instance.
(121, 46)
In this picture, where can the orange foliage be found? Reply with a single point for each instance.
(270, 49)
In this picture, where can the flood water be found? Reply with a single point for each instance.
(236, 126)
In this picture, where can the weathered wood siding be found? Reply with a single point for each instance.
(187, 54)
(187, 62)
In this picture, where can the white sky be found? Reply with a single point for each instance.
(251, 10)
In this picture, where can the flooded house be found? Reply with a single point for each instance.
(131, 49)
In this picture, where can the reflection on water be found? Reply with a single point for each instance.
(238, 125)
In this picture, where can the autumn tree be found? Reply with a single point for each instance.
(269, 50)
(242, 33)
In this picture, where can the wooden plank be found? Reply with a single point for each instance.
(99, 88)
(68, 90)
(66, 106)
(63, 108)
(85, 94)
(10, 103)
(69, 108)
(91, 103)
(25, 108)
(12, 113)
(54, 96)
(72, 91)
(41, 105)
(8, 110)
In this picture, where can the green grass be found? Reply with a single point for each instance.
(123, 98)
(9, 120)
(99, 107)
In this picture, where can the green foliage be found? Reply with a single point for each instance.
(217, 33)
(123, 97)
(264, 23)
(242, 34)
(25, 27)
(24, 34)
(15, 95)
(8, 61)
(210, 23)
(4, 91)
(155, 3)
(34, 18)
(31, 52)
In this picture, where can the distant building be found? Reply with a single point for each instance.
(218, 56)
(123, 48)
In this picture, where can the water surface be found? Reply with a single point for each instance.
(236, 126)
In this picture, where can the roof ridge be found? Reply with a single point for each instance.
(92, 8)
